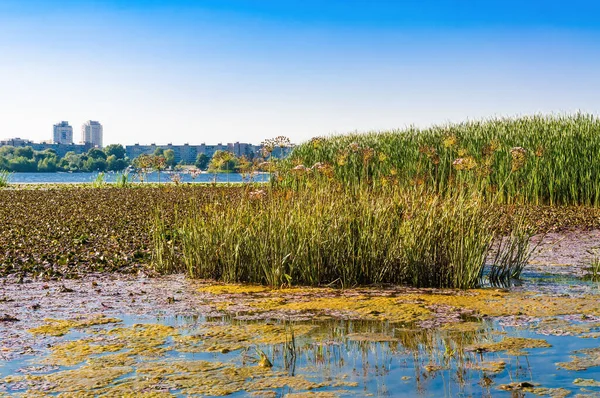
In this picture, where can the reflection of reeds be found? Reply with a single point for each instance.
(425, 353)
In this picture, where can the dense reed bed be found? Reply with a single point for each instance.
(331, 235)
(538, 160)
(415, 207)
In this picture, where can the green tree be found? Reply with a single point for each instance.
(202, 161)
(115, 164)
(72, 162)
(48, 164)
(25, 152)
(4, 163)
(169, 155)
(92, 164)
(116, 150)
(22, 164)
(223, 161)
(96, 154)
(7, 151)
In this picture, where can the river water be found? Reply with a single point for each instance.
(78, 178)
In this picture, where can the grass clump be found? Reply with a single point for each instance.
(4, 178)
(331, 235)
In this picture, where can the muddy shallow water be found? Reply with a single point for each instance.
(115, 335)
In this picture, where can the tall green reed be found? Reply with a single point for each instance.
(537, 159)
(329, 235)
(4, 178)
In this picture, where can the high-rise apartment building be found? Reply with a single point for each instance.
(91, 133)
(62, 133)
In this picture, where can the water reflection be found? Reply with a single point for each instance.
(347, 358)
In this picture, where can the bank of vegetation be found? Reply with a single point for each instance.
(417, 206)
(450, 206)
(25, 159)
(112, 158)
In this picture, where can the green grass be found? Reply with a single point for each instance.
(329, 235)
(539, 159)
(4, 178)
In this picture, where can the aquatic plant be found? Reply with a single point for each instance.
(512, 253)
(99, 181)
(328, 234)
(4, 178)
(71, 230)
(122, 180)
(594, 267)
(536, 159)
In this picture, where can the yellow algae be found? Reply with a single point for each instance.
(85, 378)
(58, 327)
(73, 352)
(144, 339)
(463, 327)
(513, 345)
(375, 308)
(264, 394)
(112, 360)
(549, 392)
(397, 306)
(532, 389)
(234, 289)
(226, 338)
(295, 382)
(371, 337)
(590, 359)
(586, 382)
(312, 394)
(490, 366)
(562, 327)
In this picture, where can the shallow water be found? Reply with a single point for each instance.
(429, 363)
(77, 178)
(219, 338)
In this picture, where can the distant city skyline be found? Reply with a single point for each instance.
(247, 70)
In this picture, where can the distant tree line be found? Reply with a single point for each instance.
(111, 158)
(25, 159)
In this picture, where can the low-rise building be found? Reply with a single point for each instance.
(15, 142)
(187, 153)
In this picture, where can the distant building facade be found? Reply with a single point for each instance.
(187, 153)
(15, 142)
(91, 133)
(62, 133)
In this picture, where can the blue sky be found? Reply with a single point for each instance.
(240, 70)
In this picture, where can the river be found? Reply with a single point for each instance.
(77, 178)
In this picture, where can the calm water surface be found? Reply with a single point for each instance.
(77, 178)
(347, 358)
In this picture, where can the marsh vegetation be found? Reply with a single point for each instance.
(414, 207)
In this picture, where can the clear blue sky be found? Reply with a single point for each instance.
(244, 70)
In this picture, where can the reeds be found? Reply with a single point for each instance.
(415, 207)
(538, 159)
(4, 178)
(329, 235)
